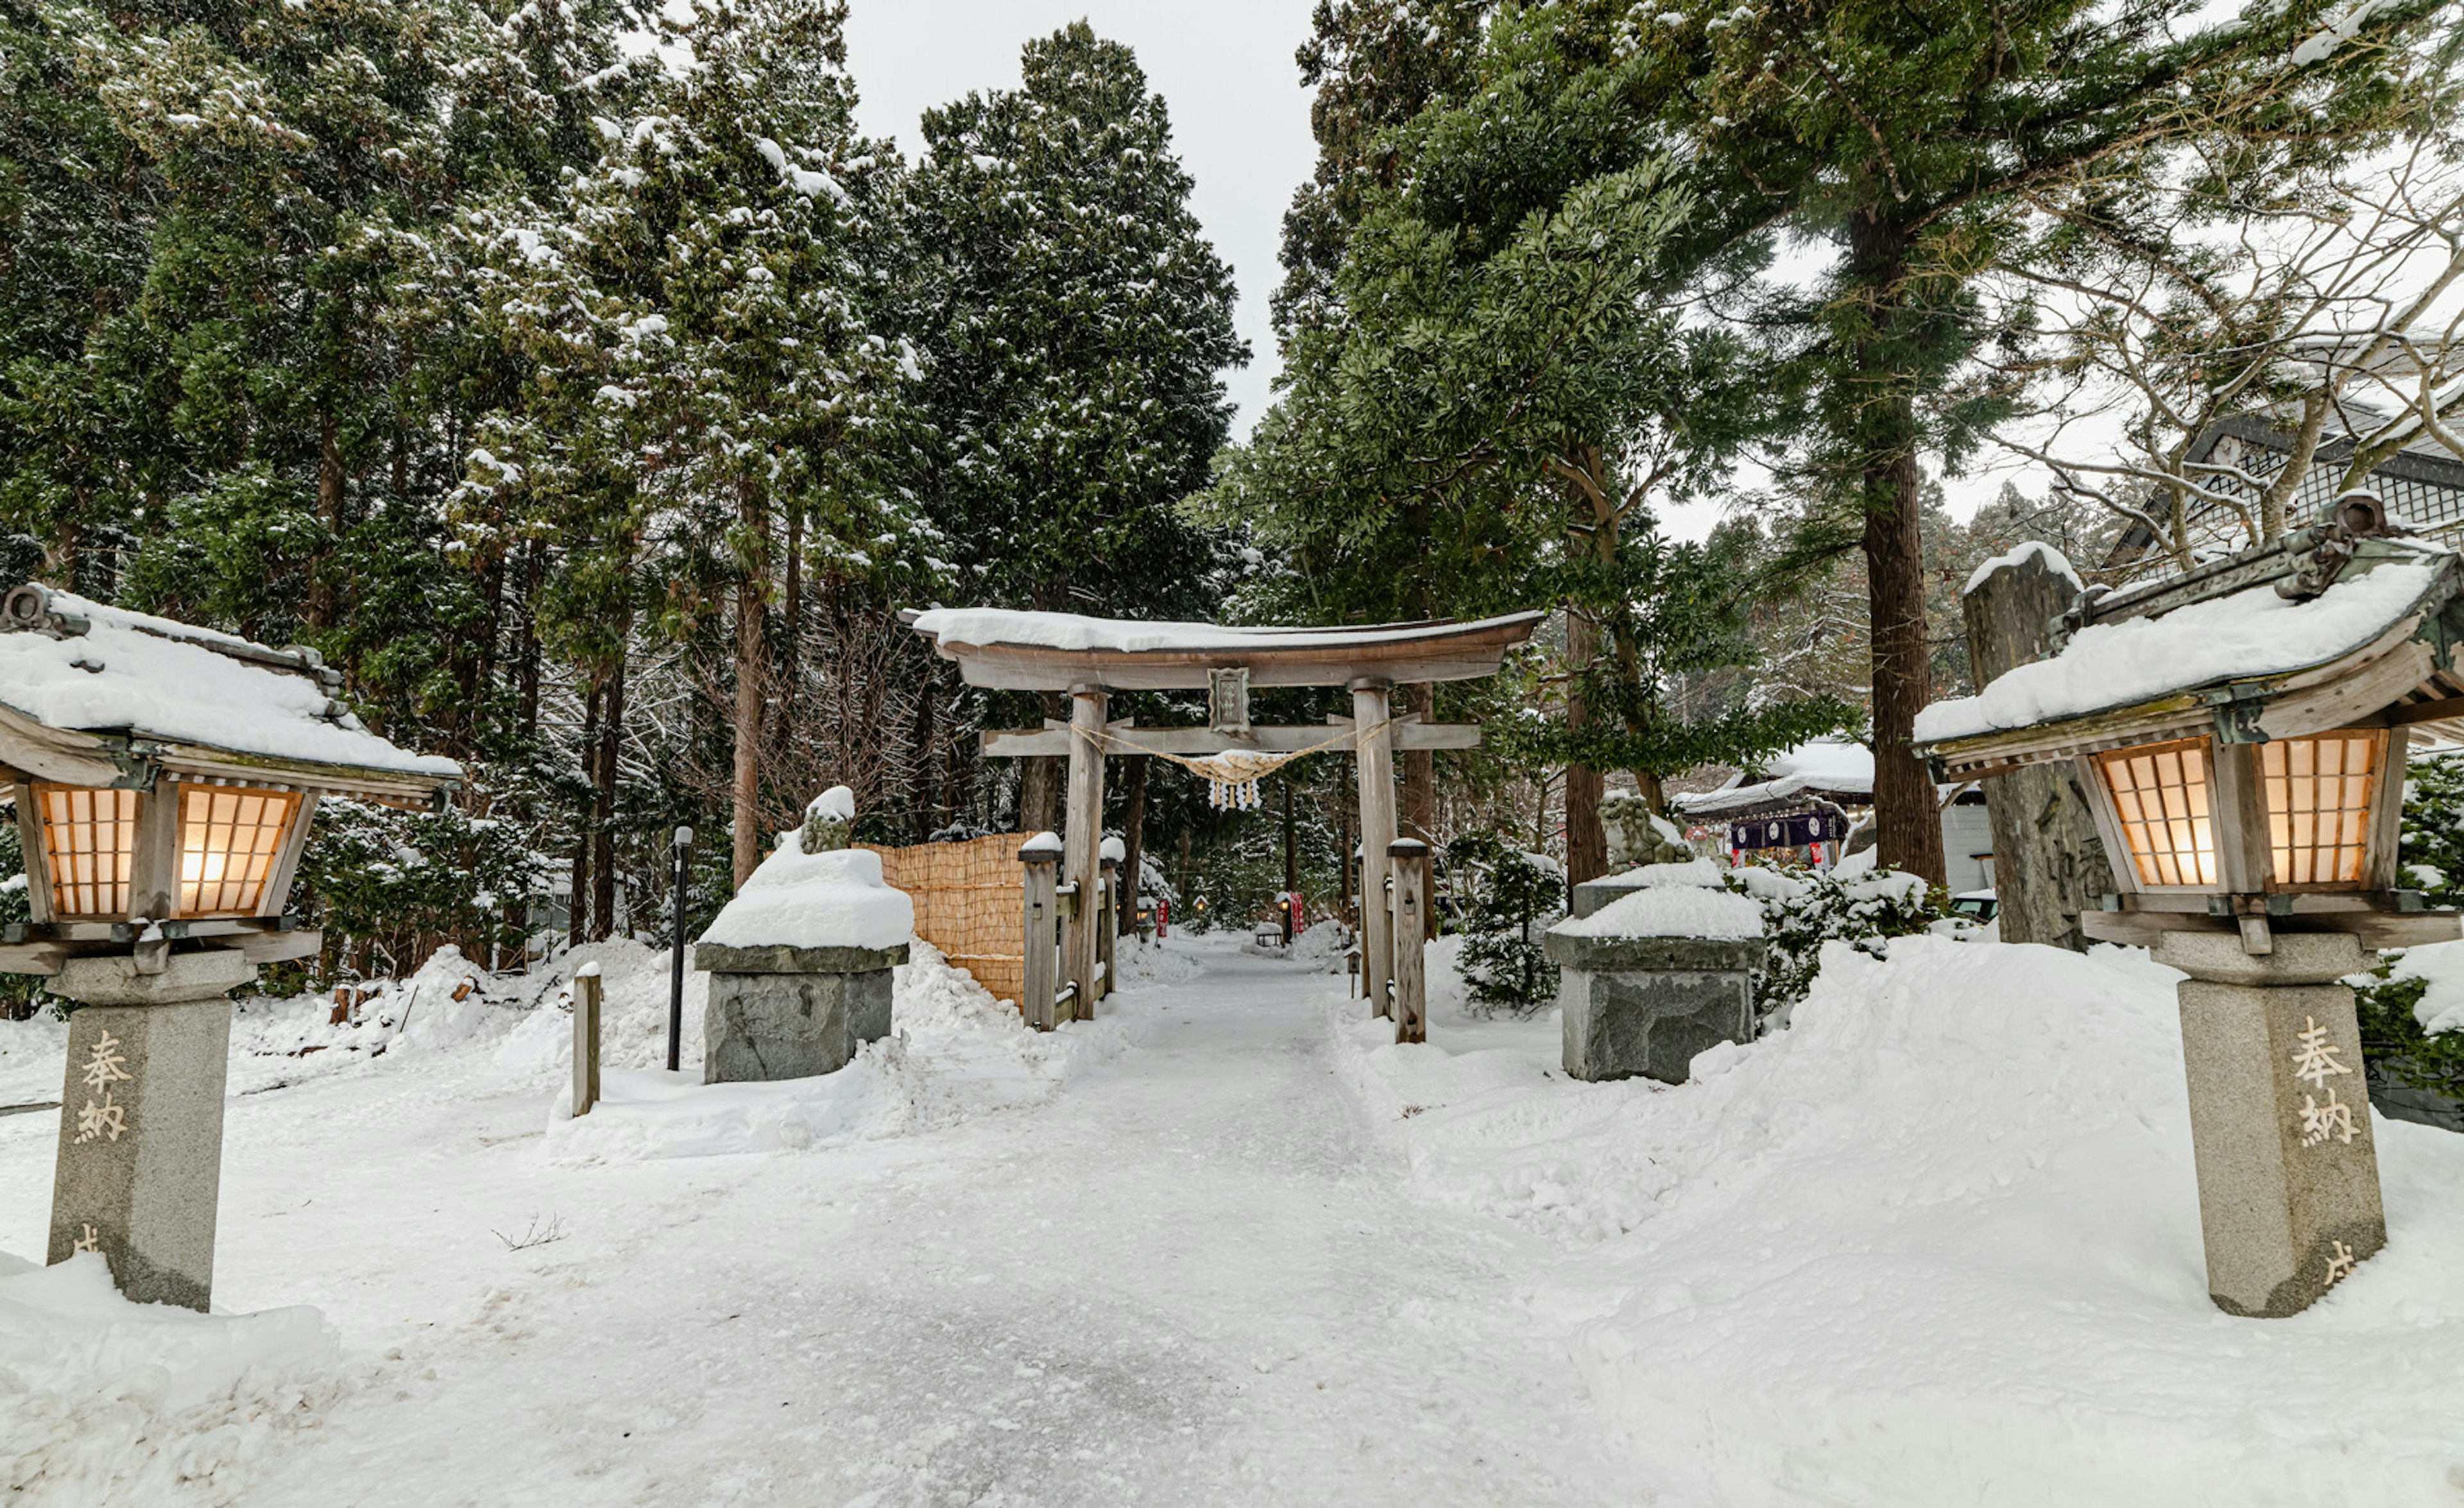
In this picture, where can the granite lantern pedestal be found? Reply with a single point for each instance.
(2279, 1117)
(139, 1165)
(791, 1013)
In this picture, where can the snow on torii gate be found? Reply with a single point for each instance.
(1091, 657)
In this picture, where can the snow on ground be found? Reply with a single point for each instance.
(954, 1051)
(93, 1387)
(1939, 1243)
(1936, 1245)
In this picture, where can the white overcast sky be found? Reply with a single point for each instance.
(1239, 116)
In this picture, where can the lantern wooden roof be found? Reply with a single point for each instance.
(1059, 651)
(2333, 626)
(97, 696)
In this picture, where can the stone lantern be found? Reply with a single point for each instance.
(165, 779)
(2240, 732)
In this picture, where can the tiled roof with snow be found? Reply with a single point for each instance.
(2252, 633)
(1834, 766)
(152, 677)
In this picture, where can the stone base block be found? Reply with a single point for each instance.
(2280, 1131)
(790, 1026)
(140, 1165)
(1645, 1005)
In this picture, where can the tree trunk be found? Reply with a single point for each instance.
(1039, 780)
(2049, 863)
(527, 671)
(1586, 842)
(923, 780)
(1883, 428)
(603, 855)
(1134, 827)
(1419, 769)
(791, 649)
(578, 893)
(320, 611)
(752, 669)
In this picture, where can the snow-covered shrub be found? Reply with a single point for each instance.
(2410, 1036)
(1805, 908)
(1509, 897)
(389, 887)
(2431, 852)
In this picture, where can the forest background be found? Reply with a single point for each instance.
(575, 377)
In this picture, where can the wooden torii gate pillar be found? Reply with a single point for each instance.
(1091, 657)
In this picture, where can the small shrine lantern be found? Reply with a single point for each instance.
(165, 777)
(2240, 732)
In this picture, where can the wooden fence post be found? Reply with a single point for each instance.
(1375, 759)
(1083, 835)
(585, 1038)
(1040, 854)
(1411, 865)
(1107, 924)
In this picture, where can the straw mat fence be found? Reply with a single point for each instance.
(970, 902)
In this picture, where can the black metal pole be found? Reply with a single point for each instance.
(676, 957)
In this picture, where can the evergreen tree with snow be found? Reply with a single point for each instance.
(708, 374)
(1079, 328)
(1511, 899)
(1076, 326)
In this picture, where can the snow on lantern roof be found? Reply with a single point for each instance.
(2274, 643)
(86, 690)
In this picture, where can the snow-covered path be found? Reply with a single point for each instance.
(1191, 1277)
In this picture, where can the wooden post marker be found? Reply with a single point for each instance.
(1108, 927)
(1040, 854)
(585, 1038)
(1377, 770)
(1410, 859)
(1083, 837)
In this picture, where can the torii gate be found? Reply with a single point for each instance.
(1091, 657)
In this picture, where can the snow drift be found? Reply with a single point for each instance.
(953, 1053)
(1939, 1243)
(104, 1401)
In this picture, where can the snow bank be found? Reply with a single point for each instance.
(104, 1401)
(953, 1053)
(799, 900)
(122, 675)
(1939, 1244)
(2253, 633)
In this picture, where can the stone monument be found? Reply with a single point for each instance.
(1657, 974)
(799, 961)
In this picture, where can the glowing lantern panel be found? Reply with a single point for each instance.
(2318, 793)
(2161, 792)
(90, 839)
(230, 838)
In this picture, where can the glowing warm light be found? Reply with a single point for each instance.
(2318, 805)
(230, 838)
(2161, 791)
(90, 841)
(2317, 791)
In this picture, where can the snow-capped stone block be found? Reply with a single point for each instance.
(1656, 975)
(800, 960)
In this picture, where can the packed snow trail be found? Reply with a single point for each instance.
(1193, 1277)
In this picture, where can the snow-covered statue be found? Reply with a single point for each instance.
(827, 819)
(1638, 836)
